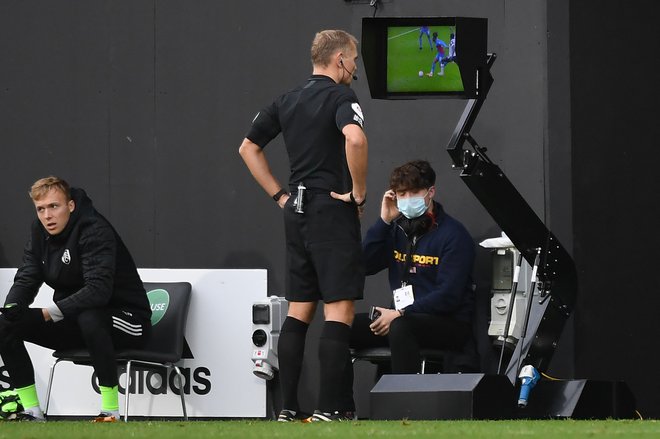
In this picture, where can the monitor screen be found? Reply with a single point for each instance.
(424, 57)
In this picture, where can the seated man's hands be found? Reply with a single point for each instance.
(13, 312)
(381, 326)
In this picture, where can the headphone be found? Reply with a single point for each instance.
(341, 61)
(416, 227)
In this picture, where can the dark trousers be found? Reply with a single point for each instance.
(99, 330)
(409, 334)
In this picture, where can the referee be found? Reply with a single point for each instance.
(321, 122)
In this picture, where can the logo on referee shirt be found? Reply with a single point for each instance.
(66, 257)
(358, 117)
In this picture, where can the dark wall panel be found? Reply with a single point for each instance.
(54, 104)
(131, 126)
(615, 131)
(557, 154)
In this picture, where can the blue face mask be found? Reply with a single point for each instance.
(412, 207)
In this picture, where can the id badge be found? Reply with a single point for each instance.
(403, 297)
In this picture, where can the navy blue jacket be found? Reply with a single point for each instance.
(441, 269)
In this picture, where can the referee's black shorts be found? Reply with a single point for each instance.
(323, 250)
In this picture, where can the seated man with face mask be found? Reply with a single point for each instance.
(429, 256)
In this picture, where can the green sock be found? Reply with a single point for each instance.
(28, 396)
(109, 399)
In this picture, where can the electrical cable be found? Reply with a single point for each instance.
(374, 4)
(551, 378)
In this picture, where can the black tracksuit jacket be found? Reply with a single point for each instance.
(87, 265)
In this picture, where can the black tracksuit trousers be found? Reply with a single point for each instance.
(99, 330)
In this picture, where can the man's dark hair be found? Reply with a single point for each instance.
(413, 175)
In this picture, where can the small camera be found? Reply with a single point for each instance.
(373, 313)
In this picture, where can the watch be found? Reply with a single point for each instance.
(355, 202)
(279, 194)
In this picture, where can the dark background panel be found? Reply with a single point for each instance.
(614, 95)
(131, 125)
(54, 110)
(557, 153)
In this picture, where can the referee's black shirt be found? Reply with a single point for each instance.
(311, 118)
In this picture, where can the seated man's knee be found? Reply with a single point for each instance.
(15, 331)
(398, 325)
(6, 333)
(399, 331)
(92, 320)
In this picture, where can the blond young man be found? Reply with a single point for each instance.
(99, 302)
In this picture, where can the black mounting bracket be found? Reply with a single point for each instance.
(557, 277)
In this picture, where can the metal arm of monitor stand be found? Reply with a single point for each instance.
(462, 131)
(528, 233)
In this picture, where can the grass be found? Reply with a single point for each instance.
(406, 60)
(564, 429)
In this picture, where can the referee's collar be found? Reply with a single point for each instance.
(321, 78)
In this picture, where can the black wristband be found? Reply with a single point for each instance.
(355, 202)
(279, 194)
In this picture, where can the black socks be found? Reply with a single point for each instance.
(336, 392)
(290, 350)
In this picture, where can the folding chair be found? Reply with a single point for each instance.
(163, 349)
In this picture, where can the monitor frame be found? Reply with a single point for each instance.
(471, 48)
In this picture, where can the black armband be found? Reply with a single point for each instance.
(355, 202)
(279, 194)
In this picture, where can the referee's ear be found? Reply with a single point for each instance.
(339, 59)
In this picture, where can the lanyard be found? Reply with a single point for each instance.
(412, 244)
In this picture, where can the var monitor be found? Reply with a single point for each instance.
(424, 57)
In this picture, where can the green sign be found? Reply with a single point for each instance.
(159, 300)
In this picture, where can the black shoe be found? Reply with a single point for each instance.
(24, 417)
(287, 416)
(320, 416)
